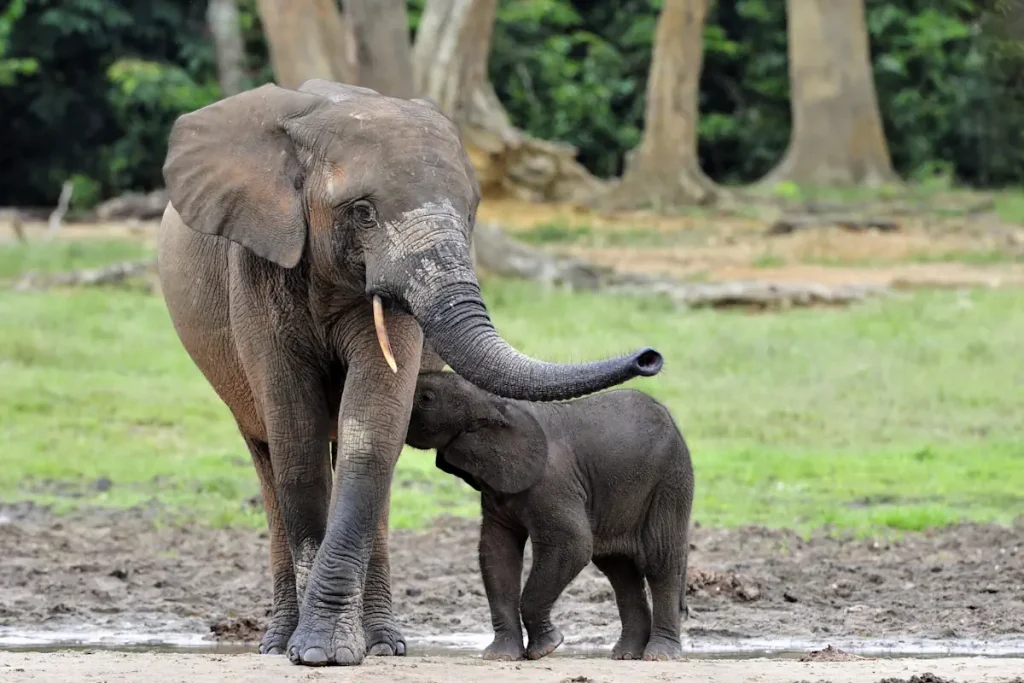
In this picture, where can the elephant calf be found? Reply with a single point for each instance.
(606, 478)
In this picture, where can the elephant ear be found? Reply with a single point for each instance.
(509, 453)
(232, 170)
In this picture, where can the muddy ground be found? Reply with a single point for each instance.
(110, 667)
(120, 570)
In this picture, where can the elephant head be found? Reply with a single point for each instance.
(377, 198)
(479, 437)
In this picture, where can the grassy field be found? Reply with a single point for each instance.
(900, 413)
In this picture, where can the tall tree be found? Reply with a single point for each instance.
(837, 137)
(308, 39)
(664, 170)
(222, 18)
(381, 29)
(450, 67)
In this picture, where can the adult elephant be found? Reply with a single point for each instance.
(296, 218)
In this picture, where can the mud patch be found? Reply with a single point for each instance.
(922, 678)
(120, 569)
(238, 630)
(829, 654)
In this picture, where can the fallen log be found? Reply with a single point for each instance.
(137, 205)
(499, 254)
(790, 224)
(754, 294)
(114, 273)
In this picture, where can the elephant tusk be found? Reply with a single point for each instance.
(382, 333)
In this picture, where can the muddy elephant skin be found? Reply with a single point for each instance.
(606, 478)
(298, 220)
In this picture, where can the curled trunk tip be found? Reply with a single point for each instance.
(648, 362)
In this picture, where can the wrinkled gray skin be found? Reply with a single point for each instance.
(289, 210)
(606, 478)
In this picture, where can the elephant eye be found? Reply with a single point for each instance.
(426, 396)
(362, 213)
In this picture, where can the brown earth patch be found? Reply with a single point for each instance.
(103, 569)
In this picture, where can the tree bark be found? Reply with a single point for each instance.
(664, 172)
(450, 67)
(308, 39)
(381, 29)
(222, 18)
(837, 135)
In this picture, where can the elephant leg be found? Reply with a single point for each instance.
(634, 613)
(297, 420)
(373, 422)
(501, 565)
(559, 555)
(664, 643)
(382, 634)
(285, 610)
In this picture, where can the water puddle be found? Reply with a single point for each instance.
(704, 646)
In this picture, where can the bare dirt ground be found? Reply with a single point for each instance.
(110, 570)
(119, 570)
(109, 667)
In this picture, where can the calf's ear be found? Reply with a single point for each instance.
(508, 452)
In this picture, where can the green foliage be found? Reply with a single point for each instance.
(11, 67)
(154, 93)
(90, 88)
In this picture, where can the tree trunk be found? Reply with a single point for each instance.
(450, 66)
(222, 18)
(837, 135)
(664, 171)
(381, 29)
(308, 39)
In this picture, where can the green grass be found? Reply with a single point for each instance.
(67, 255)
(900, 413)
(625, 236)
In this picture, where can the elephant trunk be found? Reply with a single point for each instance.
(445, 299)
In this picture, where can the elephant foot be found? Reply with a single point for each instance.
(383, 639)
(630, 647)
(661, 649)
(544, 644)
(325, 640)
(505, 649)
(279, 630)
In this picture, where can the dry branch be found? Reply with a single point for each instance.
(17, 226)
(57, 216)
(501, 255)
(115, 273)
(19, 229)
(791, 224)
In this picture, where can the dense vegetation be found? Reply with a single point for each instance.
(89, 88)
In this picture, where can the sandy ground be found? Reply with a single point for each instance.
(111, 667)
(750, 587)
